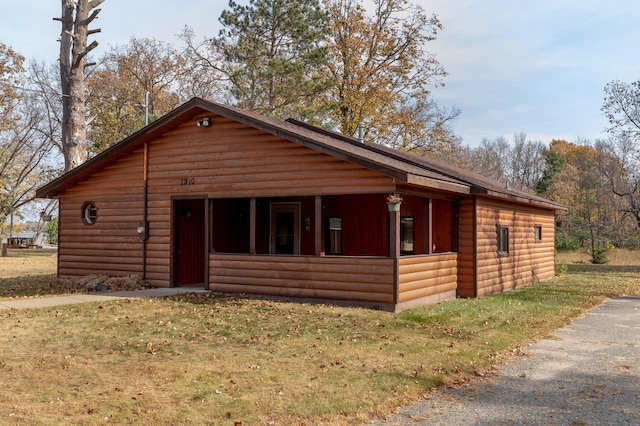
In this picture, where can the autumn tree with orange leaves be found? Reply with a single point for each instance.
(344, 66)
(592, 219)
(11, 69)
(24, 145)
(383, 73)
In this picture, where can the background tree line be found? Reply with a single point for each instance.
(597, 181)
(333, 63)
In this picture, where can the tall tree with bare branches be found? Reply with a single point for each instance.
(143, 73)
(76, 17)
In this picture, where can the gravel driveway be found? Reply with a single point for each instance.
(585, 374)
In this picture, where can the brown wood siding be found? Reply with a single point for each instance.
(231, 160)
(110, 246)
(466, 249)
(415, 207)
(423, 276)
(528, 260)
(365, 223)
(159, 243)
(333, 278)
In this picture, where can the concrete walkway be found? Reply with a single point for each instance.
(46, 301)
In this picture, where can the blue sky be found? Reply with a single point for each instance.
(537, 67)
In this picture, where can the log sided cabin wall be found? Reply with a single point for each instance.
(249, 204)
(108, 244)
(528, 254)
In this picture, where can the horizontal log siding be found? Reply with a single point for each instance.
(159, 242)
(466, 249)
(110, 246)
(230, 159)
(423, 276)
(332, 278)
(528, 260)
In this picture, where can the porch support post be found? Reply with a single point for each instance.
(252, 225)
(317, 221)
(207, 241)
(428, 226)
(394, 234)
(394, 251)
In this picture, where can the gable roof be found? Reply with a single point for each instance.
(405, 167)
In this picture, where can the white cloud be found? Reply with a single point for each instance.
(534, 67)
(537, 67)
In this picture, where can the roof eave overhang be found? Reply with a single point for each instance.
(198, 106)
(438, 184)
(524, 200)
(58, 186)
(112, 154)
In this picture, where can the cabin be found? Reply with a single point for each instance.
(20, 242)
(214, 197)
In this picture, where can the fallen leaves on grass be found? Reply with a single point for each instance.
(50, 284)
(96, 282)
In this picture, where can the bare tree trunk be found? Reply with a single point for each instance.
(73, 61)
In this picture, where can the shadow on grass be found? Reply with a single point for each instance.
(587, 267)
(31, 285)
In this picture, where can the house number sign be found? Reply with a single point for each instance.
(188, 181)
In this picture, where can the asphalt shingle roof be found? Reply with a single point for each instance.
(406, 167)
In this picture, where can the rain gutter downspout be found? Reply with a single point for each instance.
(144, 214)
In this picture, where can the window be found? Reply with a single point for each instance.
(503, 240)
(538, 233)
(333, 243)
(406, 235)
(89, 213)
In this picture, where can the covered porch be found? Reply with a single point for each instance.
(353, 248)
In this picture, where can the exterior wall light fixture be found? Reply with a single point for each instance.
(205, 122)
(142, 231)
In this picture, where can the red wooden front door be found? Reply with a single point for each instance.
(189, 242)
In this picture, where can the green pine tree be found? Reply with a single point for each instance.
(273, 54)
